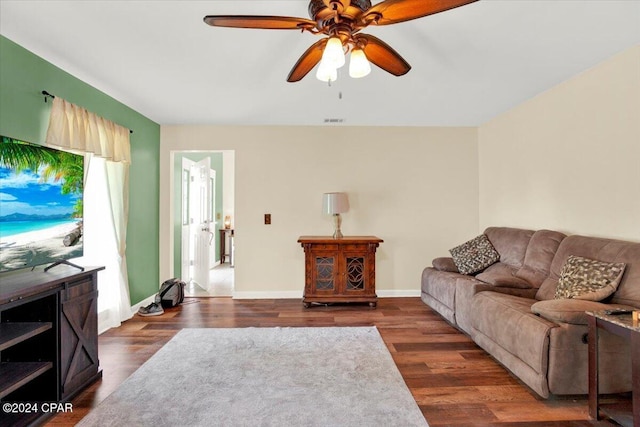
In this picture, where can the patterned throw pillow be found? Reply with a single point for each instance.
(588, 279)
(474, 255)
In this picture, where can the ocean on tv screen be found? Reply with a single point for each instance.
(41, 205)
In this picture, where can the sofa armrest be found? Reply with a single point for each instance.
(516, 292)
(506, 284)
(510, 288)
(569, 310)
(512, 282)
(445, 264)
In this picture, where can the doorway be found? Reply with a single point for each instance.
(203, 199)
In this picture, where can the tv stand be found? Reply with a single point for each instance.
(48, 338)
(65, 262)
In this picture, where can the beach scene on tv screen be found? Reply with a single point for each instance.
(40, 205)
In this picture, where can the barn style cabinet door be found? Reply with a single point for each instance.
(79, 364)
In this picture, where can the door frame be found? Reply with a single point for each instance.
(175, 214)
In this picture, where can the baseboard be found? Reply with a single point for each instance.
(398, 293)
(267, 295)
(298, 294)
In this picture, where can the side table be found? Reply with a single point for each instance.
(340, 270)
(624, 326)
(223, 243)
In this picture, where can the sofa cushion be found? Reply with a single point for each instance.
(502, 275)
(537, 260)
(607, 250)
(441, 285)
(588, 279)
(511, 243)
(474, 255)
(444, 264)
(628, 292)
(567, 310)
(508, 322)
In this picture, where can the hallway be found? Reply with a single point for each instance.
(220, 280)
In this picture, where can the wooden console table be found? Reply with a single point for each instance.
(223, 245)
(48, 338)
(623, 326)
(340, 270)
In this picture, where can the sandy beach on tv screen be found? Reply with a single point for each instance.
(37, 247)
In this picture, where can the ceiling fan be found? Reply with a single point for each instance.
(341, 21)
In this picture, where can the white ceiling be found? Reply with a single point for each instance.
(469, 64)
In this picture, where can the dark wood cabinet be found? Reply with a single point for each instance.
(78, 335)
(48, 338)
(340, 270)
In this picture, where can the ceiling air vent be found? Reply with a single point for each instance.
(329, 120)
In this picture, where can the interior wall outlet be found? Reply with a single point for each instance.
(267, 219)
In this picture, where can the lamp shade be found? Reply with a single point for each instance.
(326, 73)
(335, 203)
(333, 54)
(358, 65)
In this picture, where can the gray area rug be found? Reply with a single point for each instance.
(264, 377)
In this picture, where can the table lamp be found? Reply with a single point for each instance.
(335, 204)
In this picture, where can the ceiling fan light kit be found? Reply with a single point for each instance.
(341, 21)
(358, 64)
(333, 55)
(327, 73)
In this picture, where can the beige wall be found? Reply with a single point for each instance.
(416, 188)
(568, 159)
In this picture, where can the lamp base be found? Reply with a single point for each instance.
(337, 222)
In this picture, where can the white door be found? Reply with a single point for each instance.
(213, 255)
(198, 198)
(200, 195)
(186, 273)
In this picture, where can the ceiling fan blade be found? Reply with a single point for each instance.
(394, 11)
(307, 61)
(261, 22)
(383, 55)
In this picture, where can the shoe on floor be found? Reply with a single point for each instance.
(153, 309)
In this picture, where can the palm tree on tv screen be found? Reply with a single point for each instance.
(59, 165)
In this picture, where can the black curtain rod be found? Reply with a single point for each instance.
(48, 95)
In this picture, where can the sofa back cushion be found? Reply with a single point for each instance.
(600, 249)
(539, 255)
(511, 243)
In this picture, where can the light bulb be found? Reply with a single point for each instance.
(333, 53)
(358, 64)
(326, 72)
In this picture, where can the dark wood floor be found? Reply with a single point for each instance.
(454, 382)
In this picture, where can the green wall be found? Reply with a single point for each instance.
(216, 164)
(24, 115)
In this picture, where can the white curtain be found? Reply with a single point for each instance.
(106, 200)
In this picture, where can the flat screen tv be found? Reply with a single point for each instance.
(40, 205)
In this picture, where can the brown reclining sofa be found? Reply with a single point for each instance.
(511, 311)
